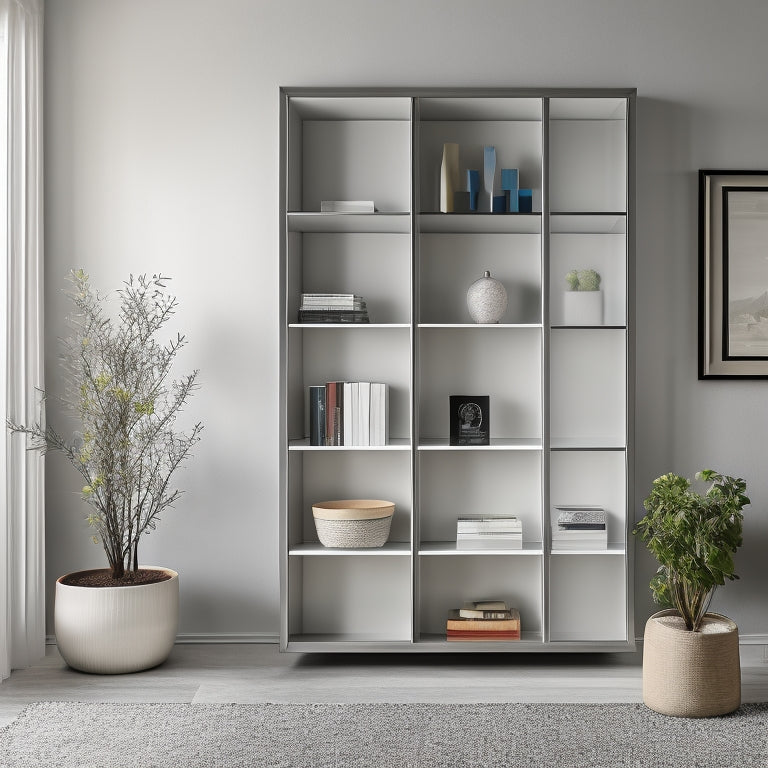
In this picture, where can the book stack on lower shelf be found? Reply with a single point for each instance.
(489, 532)
(332, 308)
(349, 413)
(483, 620)
(578, 528)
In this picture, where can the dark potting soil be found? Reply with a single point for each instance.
(102, 577)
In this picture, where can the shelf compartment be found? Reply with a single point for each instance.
(517, 143)
(606, 254)
(505, 366)
(448, 108)
(479, 223)
(379, 222)
(449, 264)
(447, 582)
(447, 548)
(588, 600)
(312, 549)
(455, 484)
(588, 386)
(351, 599)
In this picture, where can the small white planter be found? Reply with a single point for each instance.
(113, 630)
(583, 307)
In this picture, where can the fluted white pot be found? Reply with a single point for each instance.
(113, 630)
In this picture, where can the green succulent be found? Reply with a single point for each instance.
(583, 280)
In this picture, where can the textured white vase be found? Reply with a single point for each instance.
(113, 630)
(486, 300)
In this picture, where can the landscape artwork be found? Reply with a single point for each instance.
(745, 272)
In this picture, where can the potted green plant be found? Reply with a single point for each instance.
(118, 386)
(691, 656)
(583, 299)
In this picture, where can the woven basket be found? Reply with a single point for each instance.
(691, 674)
(353, 523)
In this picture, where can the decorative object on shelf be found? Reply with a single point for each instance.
(347, 206)
(733, 280)
(489, 532)
(499, 204)
(691, 657)
(510, 185)
(317, 415)
(525, 200)
(576, 527)
(449, 176)
(498, 623)
(473, 187)
(487, 299)
(352, 523)
(470, 420)
(122, 618)
(489, 179)
(332, 308)
(583, 299)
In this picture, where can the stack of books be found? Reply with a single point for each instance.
(332, 308)
(349, 413)
(489, 532)
(347, 206)
(578, 527)
(483, 620)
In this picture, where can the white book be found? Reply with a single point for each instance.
(378, 416)
(349, 414)
(365, 413)
(489, 525)
(355, 398)
(347, 206)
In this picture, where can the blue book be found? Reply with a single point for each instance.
(509, 183)
(525, 198)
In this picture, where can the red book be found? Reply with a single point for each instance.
(334, 403)
(456, 634)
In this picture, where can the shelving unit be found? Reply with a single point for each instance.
(561, 396)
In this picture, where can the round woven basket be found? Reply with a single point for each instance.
(352, 523)
(691, 674)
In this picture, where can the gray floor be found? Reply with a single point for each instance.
(251, 673)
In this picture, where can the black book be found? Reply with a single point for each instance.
(470, 420)
(317, 415)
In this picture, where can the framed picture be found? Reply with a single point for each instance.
(733, 274)
(470, 420)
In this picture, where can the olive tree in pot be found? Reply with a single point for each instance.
(690, 656)
(118, 385)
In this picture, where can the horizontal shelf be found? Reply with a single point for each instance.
(480, 325)
(596, 444)
(391, 548)
(346, 326)
(613, 549)
(609, 223)
(314, 643)
(497, 444)
(480, 223)
(316, 221)
(589, 327)
(395, 444)
(452, 548)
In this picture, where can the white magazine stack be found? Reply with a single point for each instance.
(489, 532)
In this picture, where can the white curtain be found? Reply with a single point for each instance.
(22, 565)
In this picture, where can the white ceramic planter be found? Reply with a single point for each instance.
(113, 630)
(583, 307)
(691, 674)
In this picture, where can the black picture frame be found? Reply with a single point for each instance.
(733, 274)
(470, 420)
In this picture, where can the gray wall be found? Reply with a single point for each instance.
(162, 155)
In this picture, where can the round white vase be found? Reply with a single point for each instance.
(114, 630)
(487, 300)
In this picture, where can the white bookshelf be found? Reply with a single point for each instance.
(561, 397)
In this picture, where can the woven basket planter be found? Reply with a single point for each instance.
(353, 523)
(691, 674)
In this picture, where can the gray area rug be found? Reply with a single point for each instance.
(75, 735)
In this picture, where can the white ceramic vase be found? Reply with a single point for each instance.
(691, 674)
(449, 176)
(487, 299)
(113, 630)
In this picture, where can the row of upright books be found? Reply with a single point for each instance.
(489, 532)
(349, 413)
(332, 308)
(483, 620)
